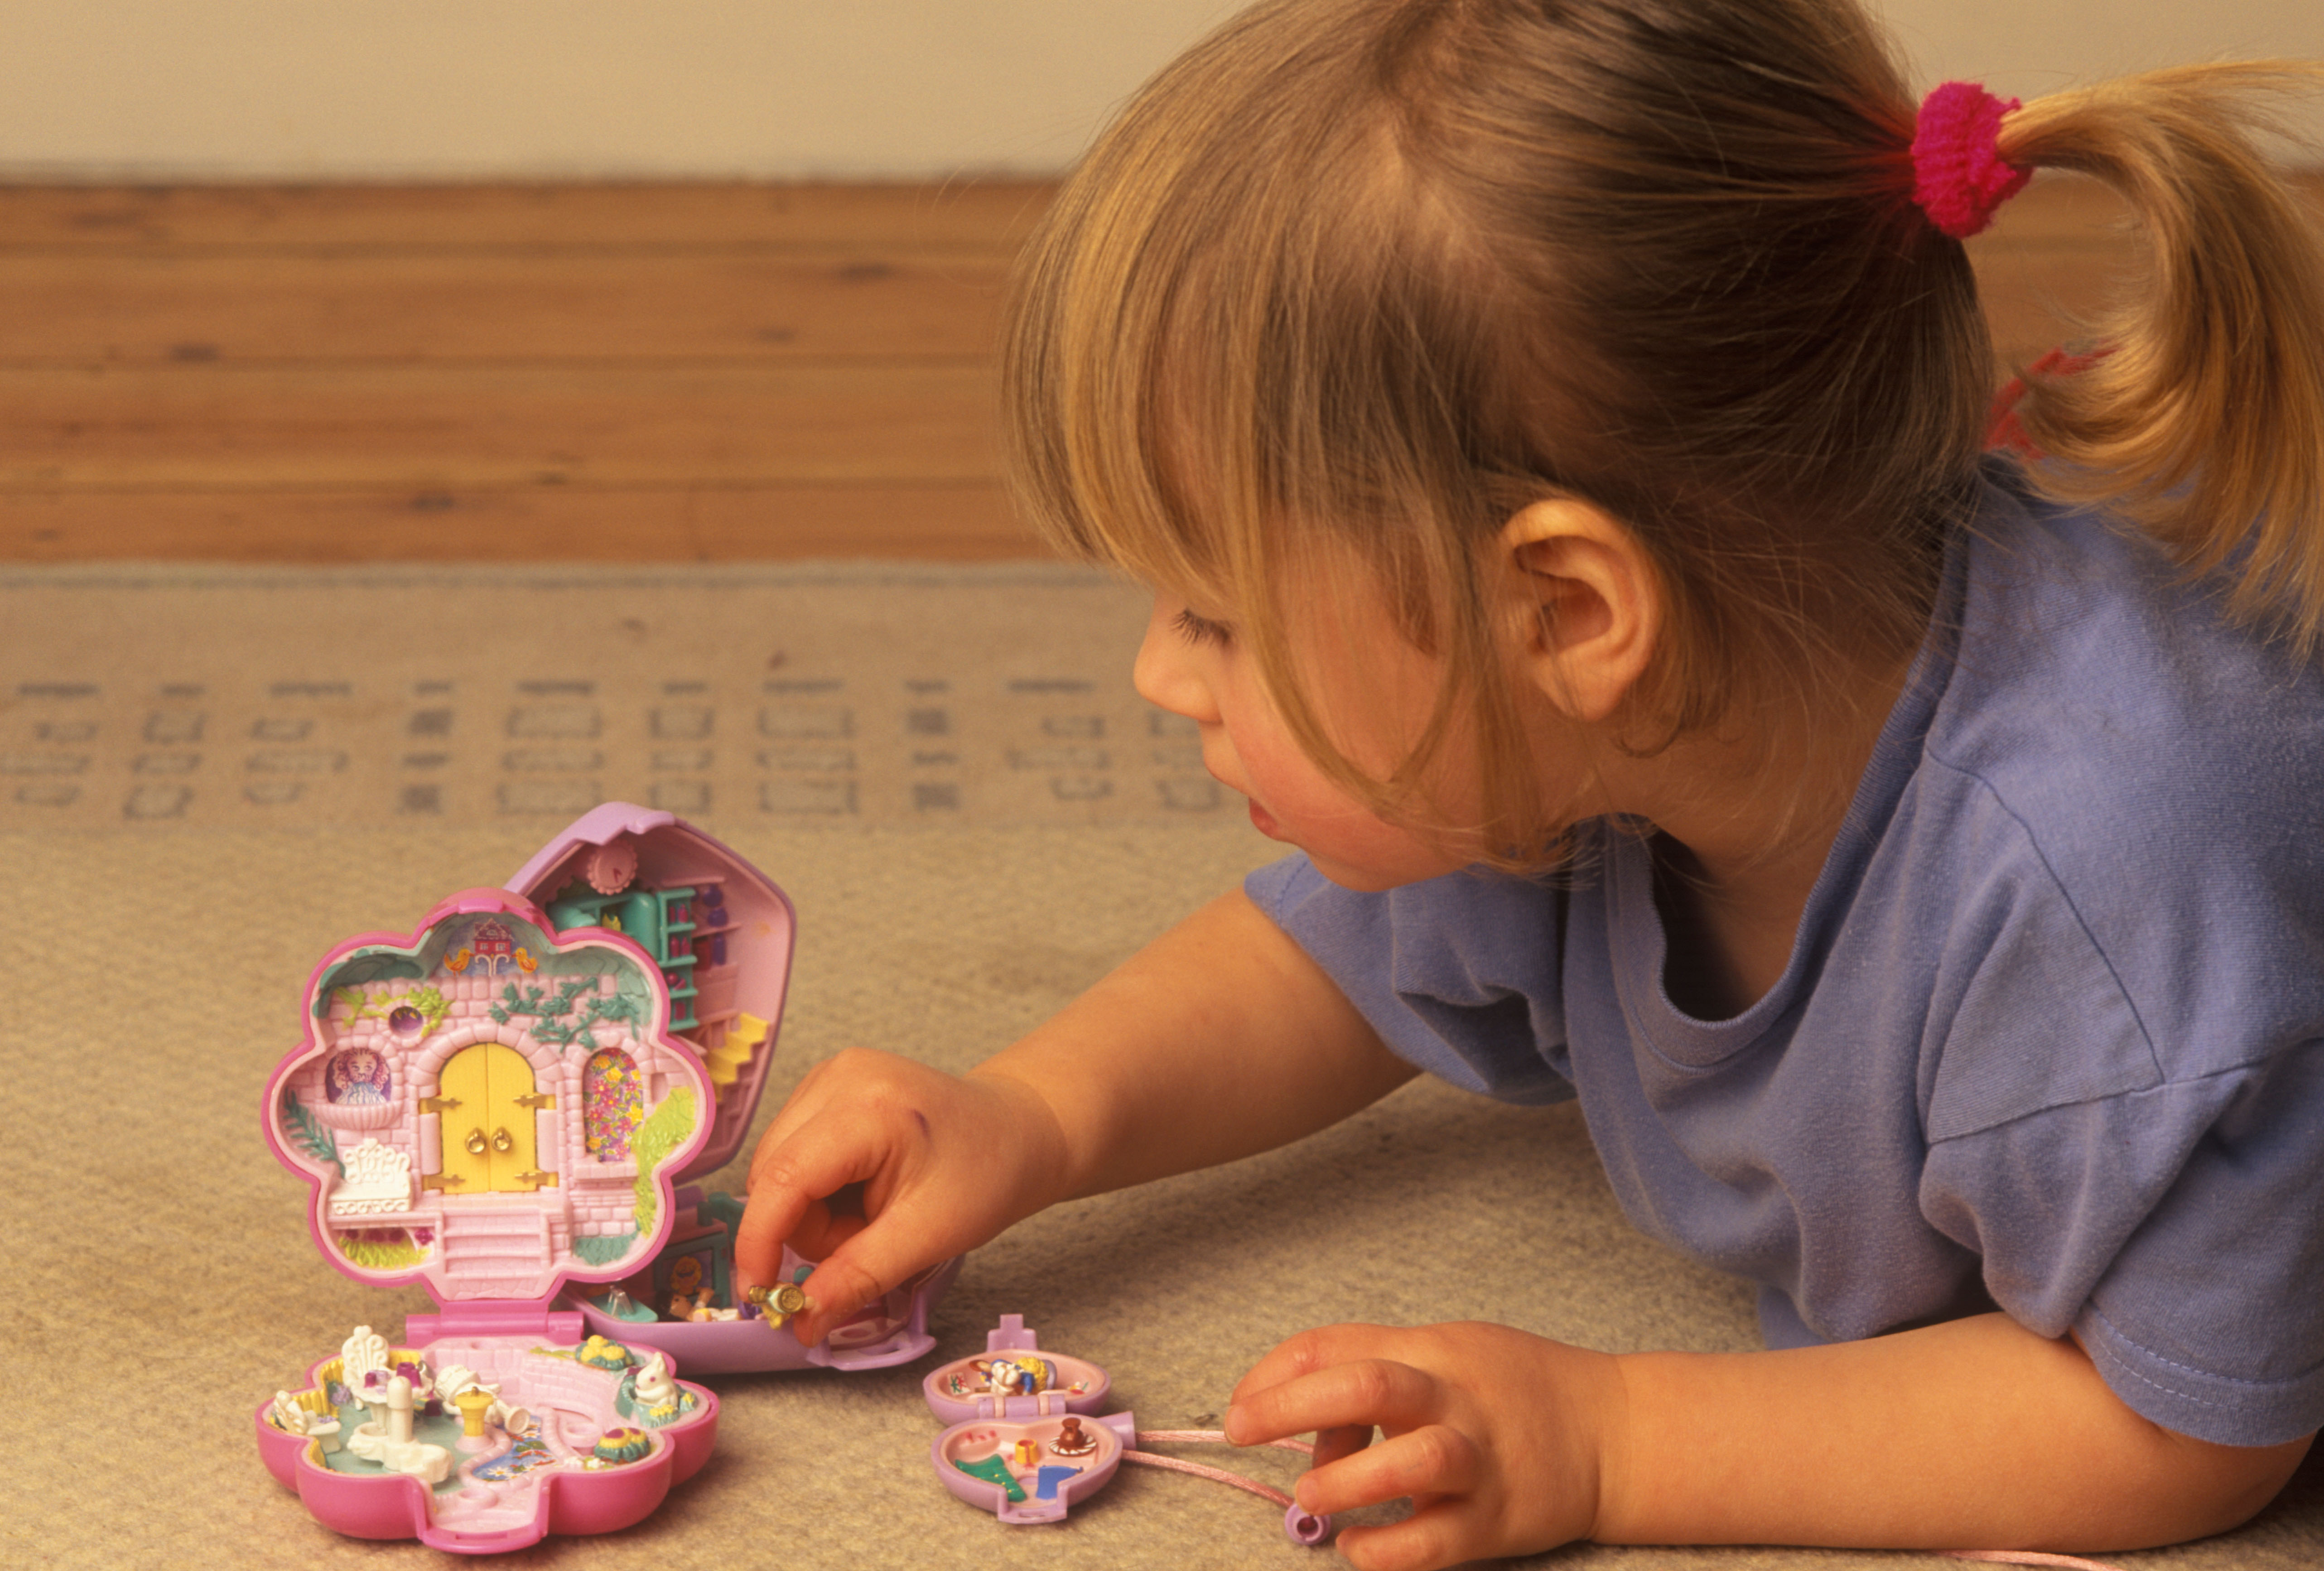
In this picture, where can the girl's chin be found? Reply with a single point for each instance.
(1264, 821)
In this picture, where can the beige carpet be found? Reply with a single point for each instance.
(165, 1282)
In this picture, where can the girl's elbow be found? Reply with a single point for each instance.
(2193, 1488)
(2225, 1486)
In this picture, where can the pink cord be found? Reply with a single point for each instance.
(1212, 1438)
(1216, 1475)
(1277, 1497)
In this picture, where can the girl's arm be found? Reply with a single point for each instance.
(1219, 1039)
(1974, 1434)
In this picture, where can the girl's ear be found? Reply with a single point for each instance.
(1584, 604)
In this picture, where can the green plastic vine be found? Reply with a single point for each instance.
(655, 1138)
(554, 1019)
(315, 1140)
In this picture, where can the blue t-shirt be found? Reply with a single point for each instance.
(2051, 1032)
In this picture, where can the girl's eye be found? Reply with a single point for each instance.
(1200, 630)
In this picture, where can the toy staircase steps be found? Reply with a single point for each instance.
(499, 1252)
(732, 1054)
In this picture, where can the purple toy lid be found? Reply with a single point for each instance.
(1014, 1379)
(720, 929)
(487, 1106)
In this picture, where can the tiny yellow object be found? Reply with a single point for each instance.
(778, 1304)
(473, 1404)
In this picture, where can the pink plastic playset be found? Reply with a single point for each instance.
(509, 1103)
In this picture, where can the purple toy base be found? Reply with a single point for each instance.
(892, 1332)
(1050, 1463)
(687, 1301)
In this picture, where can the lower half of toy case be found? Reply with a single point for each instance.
(510, 1106)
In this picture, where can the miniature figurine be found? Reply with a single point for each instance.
(1072, 1440)
(1022, 1376)
(686, 1292)
(655, 1391)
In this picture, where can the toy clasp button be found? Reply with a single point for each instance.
(500, 1140)
(477, 1141)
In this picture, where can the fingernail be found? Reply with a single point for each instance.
(1233, 1424)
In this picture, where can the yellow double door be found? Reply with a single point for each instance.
(486, 1102)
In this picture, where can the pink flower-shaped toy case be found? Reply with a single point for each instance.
(508, 1103)
(444, 1107)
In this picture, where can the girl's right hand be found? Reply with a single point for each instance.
(879, 1166)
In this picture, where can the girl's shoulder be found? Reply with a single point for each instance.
(2139, 772)
(2081, 659)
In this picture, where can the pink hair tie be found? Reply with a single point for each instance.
(1959, 177)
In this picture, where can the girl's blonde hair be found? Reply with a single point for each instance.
(1356, 280)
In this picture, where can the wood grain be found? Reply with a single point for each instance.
(610, 372)
(553, 306)
(993, 216)
(674, 522)
(365, 424)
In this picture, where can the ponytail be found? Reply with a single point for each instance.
(2202, 419)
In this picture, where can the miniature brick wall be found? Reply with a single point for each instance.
(599, 1199)
(571, 1386)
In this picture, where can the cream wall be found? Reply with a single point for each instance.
(782, 88)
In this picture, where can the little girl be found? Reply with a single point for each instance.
(1551, 429)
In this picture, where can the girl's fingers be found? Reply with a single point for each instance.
(788, 1178)
(1318, 1349)
(1434, 1459)
(770, 1216)
(1436, 1535)
(1369, 1392)
(880, 1256)
(824, 1229)
(1331, 1445)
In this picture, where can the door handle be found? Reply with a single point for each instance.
(476, 1142)
(502, 1141)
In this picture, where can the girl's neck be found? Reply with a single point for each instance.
(1744, 830)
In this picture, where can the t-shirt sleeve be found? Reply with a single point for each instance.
(1459, 974)
(2176, 1230)
(2132, 1160)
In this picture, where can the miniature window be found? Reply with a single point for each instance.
(613, 1102)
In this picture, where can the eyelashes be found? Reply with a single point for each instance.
(1200, 630)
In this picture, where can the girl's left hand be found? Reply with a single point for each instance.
(1500, 1437)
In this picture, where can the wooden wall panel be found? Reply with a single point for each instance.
(606, 372)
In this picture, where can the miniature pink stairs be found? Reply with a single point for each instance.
(500, 1253)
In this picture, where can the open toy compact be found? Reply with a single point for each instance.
(505, 1104)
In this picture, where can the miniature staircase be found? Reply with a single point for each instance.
(732, 1054)
(496, 1252)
